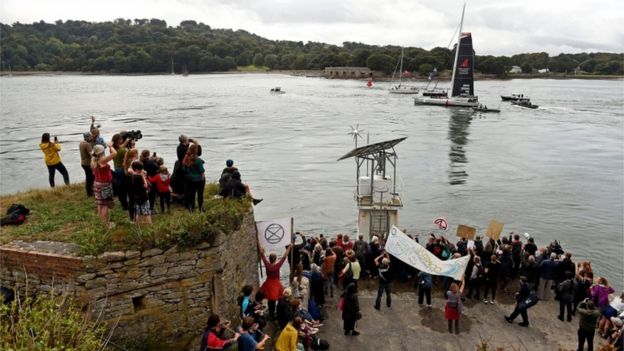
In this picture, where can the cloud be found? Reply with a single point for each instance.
(498, 27)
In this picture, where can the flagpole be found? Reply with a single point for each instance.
(258, 252)
(292, 251)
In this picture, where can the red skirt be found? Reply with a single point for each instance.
(272, 289)
(450, 313)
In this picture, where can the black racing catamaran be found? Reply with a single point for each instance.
(462, 81)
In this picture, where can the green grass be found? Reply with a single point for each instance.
(65, 214)
(252, 68)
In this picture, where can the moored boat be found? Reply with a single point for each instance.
(277, 90)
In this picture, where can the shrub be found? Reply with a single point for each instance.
(49, 321)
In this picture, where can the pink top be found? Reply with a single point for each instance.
(600, 294)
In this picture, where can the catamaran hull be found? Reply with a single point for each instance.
(447, 102)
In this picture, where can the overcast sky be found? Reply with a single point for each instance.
(499, 27)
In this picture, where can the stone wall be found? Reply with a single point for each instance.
(169, 293)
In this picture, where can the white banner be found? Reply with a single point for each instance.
(409, 251)
(274, 235)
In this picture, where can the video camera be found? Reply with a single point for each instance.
(133, 135)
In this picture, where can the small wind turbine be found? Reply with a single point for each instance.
(356, 133)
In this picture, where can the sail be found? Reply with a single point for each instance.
(463, 82)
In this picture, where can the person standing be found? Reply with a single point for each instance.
(385, 278)
(491, 279)
(351, 271)
(588, 316)
(547, 276)
(476, 275)
(521, 307)
(350, 310)
(329, 262)
(424, 287)
(103, 181)
(119, 176)
(52, 158)
(163, 187)
(86, 148)
(195, 179)
(140, 189)
(566, 291)
(272, 287)
(453, 307)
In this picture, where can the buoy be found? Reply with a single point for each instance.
(369, 83)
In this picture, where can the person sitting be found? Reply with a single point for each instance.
(234, 188)
(247, 340)
(226, 174)
(212, 339)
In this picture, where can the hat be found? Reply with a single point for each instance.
(229, 163)
(98, 150)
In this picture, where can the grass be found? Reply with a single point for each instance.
(66, 214)
(252, 68)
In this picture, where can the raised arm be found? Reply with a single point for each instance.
(112, 153)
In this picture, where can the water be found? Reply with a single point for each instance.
(556, 172)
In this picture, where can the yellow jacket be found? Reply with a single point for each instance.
(51, 152)
(287, 340)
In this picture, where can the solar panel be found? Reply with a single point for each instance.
(372, 148)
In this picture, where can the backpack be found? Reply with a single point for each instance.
(319, 344)
(16, 215)
(225, 176)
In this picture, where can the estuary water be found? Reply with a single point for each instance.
(556, 172)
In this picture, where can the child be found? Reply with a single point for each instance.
(163, 181)
(140, 188)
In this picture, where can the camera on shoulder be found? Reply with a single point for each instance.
(133, 135)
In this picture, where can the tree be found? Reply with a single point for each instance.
(380, 62)
(271, 61)
(425, 69)
(258, 60)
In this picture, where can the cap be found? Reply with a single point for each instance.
(229, 163)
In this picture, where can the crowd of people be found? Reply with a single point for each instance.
(322, 267)
(138, 178)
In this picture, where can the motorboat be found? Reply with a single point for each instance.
(514, 97)
(484, 108)
(277, 90)
(524, 103)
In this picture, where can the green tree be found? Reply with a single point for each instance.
(258, 60)
(271, 61)
(425, 69)
(380, 62)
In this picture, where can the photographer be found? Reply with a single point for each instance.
(52, 158)
(213, 338)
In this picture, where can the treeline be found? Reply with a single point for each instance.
(150, 46)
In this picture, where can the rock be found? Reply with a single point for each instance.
(112, 256)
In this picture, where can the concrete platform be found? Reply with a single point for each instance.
(406, 326)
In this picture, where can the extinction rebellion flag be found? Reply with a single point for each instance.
(274, 235)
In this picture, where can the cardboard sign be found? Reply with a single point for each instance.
(495, 229)
(464, 231)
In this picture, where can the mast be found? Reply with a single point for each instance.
(172, 72)
(461, 24)
(401, 68)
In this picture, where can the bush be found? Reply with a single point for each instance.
(49, 321)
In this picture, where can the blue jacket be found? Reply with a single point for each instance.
(548, 269)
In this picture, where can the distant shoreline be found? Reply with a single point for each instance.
(317, 74)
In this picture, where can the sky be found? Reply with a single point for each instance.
(499, 27)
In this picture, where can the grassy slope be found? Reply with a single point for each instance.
(66, 214)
